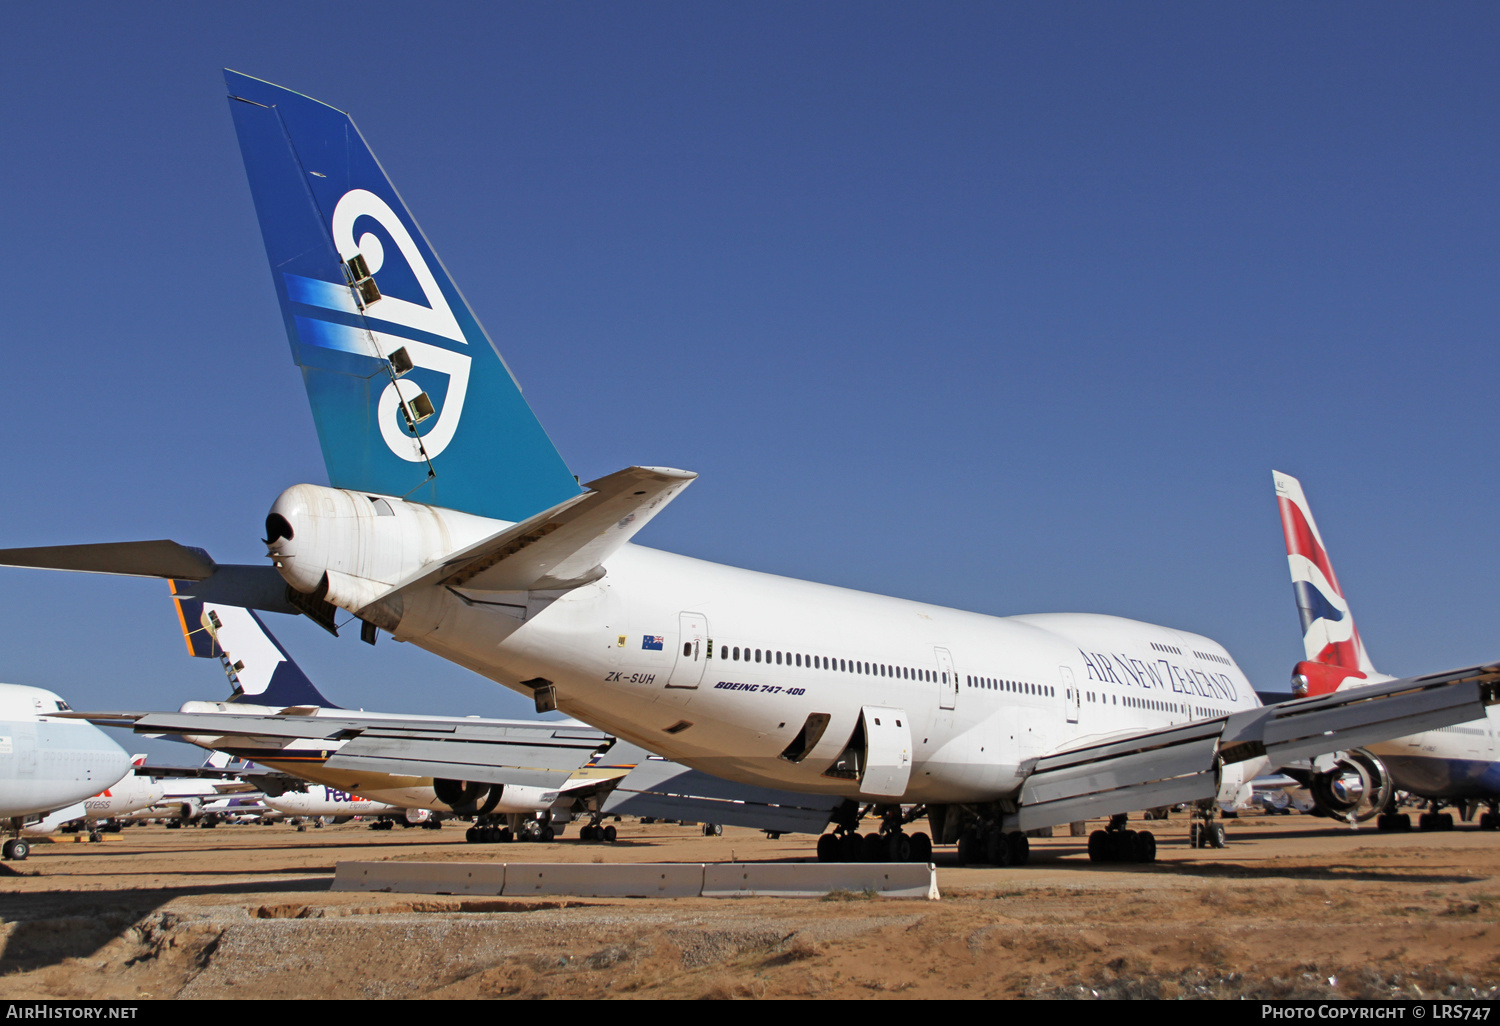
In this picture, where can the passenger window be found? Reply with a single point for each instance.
(757, 655)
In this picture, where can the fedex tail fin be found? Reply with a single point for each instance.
(258, 668)
(1336, 656)
(410, 396)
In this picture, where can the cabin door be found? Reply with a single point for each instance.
(693, 651)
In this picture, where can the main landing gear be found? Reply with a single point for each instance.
(986, 844)
(1117, 843)
(891, 844)
(595, 830)
(504, 828)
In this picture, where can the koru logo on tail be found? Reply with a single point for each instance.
(434, 319)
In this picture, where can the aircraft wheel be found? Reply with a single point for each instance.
(17, 850)
(585, 833)
(1145, 846)
(968, 848)
(897, 848)
(1427, 821)
(1099, 846)
(1445, 821)
(829, 848)
(5, 849)
(95, 837)
(995, 851)
(921, 848)
(548, 834)
(1489, 821)
(1216, 836)
(609, 835)
(854, 846)
(472, 835)
(1018, 848)
(872, 849)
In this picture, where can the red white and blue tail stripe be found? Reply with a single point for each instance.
(1336, 656)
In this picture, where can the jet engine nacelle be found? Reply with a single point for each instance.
(1355, 787)
(475, 799)
(358, 545)
(1309, 679)
(515, 798)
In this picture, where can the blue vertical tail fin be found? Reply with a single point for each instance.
(409, 395)
(259, 670)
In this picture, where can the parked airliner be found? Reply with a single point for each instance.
(48, 763)
(1453, 765)
(452, 523)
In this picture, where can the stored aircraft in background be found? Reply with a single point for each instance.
(129, 794)
(453, 524)
(1456, 765)
(47, 763)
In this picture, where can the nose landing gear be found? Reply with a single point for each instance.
(17, 848)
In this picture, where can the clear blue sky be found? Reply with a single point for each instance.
(1006, 307)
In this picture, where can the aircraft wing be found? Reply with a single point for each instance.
(523, 752)
(1182, 763)
(254, 778)
(668, 790)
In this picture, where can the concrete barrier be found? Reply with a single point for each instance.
(621, 880)
(814, 880)
(421, 877)
(639, 880)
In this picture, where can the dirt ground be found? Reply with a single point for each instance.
(1294, 907)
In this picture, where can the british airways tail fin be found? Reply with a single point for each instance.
(1336, 656)
(259, 670)
(410, 396)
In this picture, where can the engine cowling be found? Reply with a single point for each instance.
(462, 796)
(358, 545)
(515, 798)
(1309, 678)
(1354, 788)
(468, 798)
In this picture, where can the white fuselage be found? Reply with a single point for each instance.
(48, 763)
(720, 668)
(319, 800)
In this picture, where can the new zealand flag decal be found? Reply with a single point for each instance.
(653, 642)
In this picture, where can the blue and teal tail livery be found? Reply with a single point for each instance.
(259, 670)
(409, 394)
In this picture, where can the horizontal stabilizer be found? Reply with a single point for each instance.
(1180, 763)
(193, 571)
(668, 790)
(160, 558)
(562, 547)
